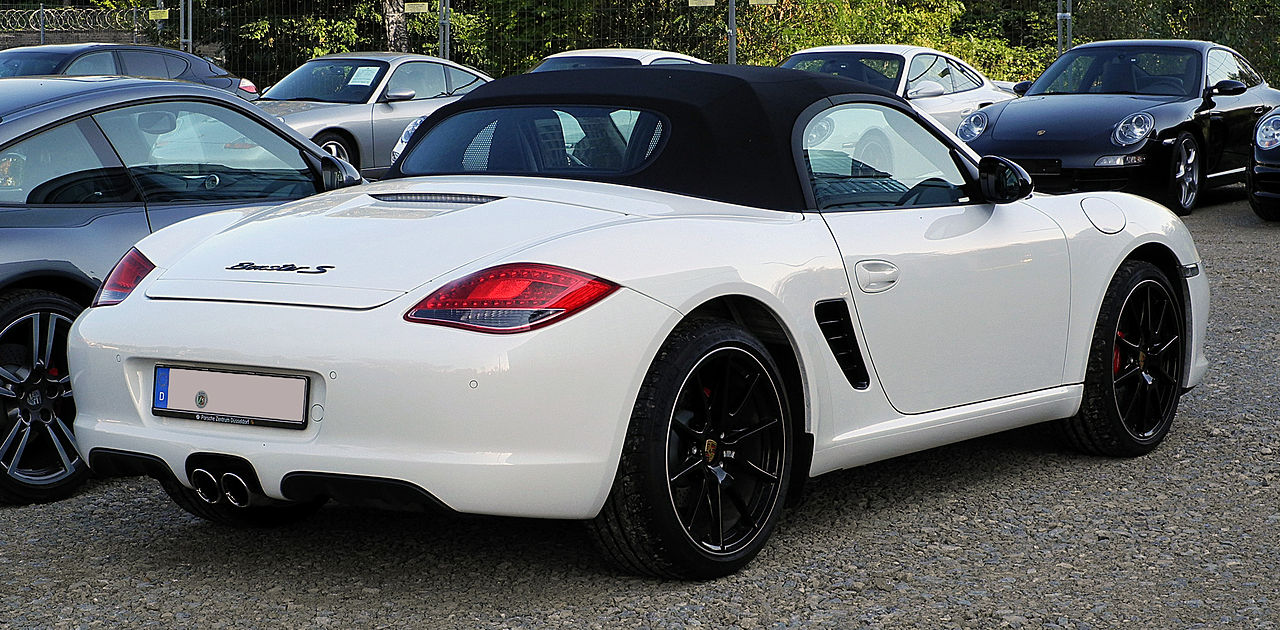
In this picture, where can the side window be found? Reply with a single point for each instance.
(863, 155)
(462, 81)
(193, 152)
(175, 66)
(963, 77)
(426, 79)
(62, 166)
(140, 63)
(93, 63)
(1223, 66)
(669, 61)
(929, 68)
(1252, 77)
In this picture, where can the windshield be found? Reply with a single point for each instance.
(879, 69)
(1123, 70)
(577, 63)
(330, 81)
(26, 64)
(527, 140)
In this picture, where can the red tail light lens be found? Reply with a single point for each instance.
(248, 86)
(123, 279)
(511, 298)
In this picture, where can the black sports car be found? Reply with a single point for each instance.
(1264, 170)
(121, 59)
(1163, 118)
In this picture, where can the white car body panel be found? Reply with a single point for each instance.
(646, 56)
(948, 109)
(531, 424)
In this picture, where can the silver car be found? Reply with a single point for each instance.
(356, 105)
(936, 83)
(88, 166)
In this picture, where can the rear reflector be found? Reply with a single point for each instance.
(511, 298)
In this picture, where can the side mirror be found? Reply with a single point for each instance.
(926, 89)
(157, 123)
(1227, 87)
(1002, 180)
(1020, 88)
(337, 173)
(399, 95)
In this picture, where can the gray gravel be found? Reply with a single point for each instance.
(1006, 531)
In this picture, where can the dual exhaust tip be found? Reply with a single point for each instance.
(228, 487)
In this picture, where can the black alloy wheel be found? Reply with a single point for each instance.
(1135, 372)
(707, 458)
(38, 455)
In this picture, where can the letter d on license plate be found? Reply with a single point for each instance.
(229, 397)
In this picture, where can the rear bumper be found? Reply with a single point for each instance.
(528, 424)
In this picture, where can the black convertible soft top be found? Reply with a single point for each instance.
(731, 126)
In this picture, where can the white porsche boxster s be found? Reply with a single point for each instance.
(656, 299)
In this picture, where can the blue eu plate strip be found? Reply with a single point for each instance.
(162, 389)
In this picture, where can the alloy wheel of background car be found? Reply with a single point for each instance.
(336, 145)
(1135, 368)
(1184, 187)
(38, 455)
(706, 460)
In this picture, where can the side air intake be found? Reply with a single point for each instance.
(837, 326)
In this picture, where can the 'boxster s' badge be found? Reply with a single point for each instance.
(250, 266)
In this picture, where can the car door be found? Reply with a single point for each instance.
(427, 81)
(929, 68)
(66, 203)
(959, 301)
(1231, 118)
(190, 158)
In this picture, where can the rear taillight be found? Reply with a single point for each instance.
(248, 86)
(123, 279)
(511, 298)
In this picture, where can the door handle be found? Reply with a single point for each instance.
(875, 276)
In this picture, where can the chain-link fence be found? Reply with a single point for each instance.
(1009, 39)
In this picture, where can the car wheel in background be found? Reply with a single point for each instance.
(1185, 175)
(706, 461)
(38, 457)
(1136, 361)
(338, 146)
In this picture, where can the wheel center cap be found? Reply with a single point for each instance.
(709, 451)
(34, 398)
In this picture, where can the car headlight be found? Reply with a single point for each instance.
(1268, 136)
(404, 137)
(1133, 129)
(972, 126)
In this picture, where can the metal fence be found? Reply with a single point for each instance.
(264, 39)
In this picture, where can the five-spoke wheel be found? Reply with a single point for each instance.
(38, 456)
(1185, 176)
(707, 458)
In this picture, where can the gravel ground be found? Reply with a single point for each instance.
(1006, 531)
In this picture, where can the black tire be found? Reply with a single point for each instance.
(729, 439)
(339, 146)
(1186, 175)
(1136, 363)
(38, 457)
(253, 516)
(1267, 209)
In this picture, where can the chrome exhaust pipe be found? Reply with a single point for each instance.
(235, 490)
(206, 486)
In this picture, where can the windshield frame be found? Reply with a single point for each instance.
(1040, 86)
(384, 69)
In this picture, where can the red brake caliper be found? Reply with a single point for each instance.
(1115, 360)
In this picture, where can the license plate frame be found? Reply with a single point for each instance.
(241, 412)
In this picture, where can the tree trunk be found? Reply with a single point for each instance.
(393, 19)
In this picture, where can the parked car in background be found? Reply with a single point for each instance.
(120, 59)
(939, 84)
(1162, 118)
(1264, 169)
(88, 166)
(613, 57)
(657, 299)
(356, 105)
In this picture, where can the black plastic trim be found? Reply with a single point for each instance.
(378, 492)
(837, 328)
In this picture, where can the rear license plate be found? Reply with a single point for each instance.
(269, 400)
